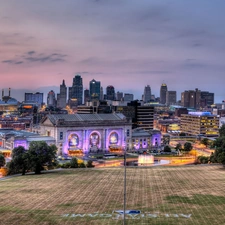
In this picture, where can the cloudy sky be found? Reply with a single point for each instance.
(125, 43)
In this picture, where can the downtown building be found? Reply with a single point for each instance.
(147, 94)
(87, 133)
(110, 93)
(95, 90)
(76, 91)
(51, 99)
(171, 98)
(200, 123)
(196, 99)
(163, 90)
(34, 97)
(62, 96)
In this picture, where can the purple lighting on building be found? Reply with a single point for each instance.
(20, 143)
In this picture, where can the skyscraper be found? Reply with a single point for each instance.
(163, 91)
(119, 96)
(95, 87)
(171, 97)
(101, 94)
(62, 96)
(147, 94)
(51, 100)
(207, 98)
(191, 98)
(76, 91)
(86, 96)
(34, 97)
(110, 93)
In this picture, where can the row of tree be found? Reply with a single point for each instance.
(2, 160)
(34, 159)
(219, 144)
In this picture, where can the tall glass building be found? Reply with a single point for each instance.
(95, 89)
(76, 91)
(163, 91)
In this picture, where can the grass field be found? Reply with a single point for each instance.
(164, 195)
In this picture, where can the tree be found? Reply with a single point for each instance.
(19, 162)
(40, 154)
(222, 131)
(89, 164)
(167, 148)
(219, 155)
(2, 160)
(82, 165)
(178, 147)
(73, 163)
(205, 141)
(187, 146)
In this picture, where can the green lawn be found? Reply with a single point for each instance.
(164, 195)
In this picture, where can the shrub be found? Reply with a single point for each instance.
(203, 159)
(74, 163)
(89, 164)
(82, 165)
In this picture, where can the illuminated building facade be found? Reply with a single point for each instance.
(10, 139)
(89, 133)
(204, 123)
(143, 140)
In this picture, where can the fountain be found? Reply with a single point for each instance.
(145, 160)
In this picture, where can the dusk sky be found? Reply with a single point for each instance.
(125, 43)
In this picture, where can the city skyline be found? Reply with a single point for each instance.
(126, 44)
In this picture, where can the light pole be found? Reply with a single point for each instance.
(125, 187)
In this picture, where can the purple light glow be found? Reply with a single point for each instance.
(22, 143)
(156, 139)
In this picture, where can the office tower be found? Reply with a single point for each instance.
(76, 91)
(51, 100)
(171, 97)
(128, 97)
(34, 97)
(163, 91)
(95, 87)
(143, 116)
(110, 93)
(200, 123)
(147, 94)
(101, 94)
(191, 98)
(86, 96)
(62, 96)
(119, 96)
(207, 98)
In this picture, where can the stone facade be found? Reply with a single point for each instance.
(87, 132)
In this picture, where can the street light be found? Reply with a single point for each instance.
(124, 197)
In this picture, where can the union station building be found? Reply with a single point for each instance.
(87, 133)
